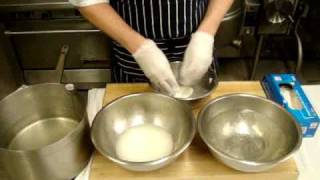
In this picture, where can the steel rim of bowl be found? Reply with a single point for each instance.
(246, 162)
(200, 96)
(53, 146)
(173, 154)
(155, 89)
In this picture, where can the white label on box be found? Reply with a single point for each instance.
(277, 78)
(313, 125)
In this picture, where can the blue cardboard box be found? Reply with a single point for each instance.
(286, 90)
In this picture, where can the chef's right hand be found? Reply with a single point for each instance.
(156, 66)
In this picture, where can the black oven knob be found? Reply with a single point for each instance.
(278, 11)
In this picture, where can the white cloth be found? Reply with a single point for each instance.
(83, 3)
(95, 101)
(197, 58)
(156, 66)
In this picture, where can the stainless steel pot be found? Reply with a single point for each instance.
(229, 29)
(44, 133)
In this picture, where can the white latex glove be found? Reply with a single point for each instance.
(156, 66)
(197, 58)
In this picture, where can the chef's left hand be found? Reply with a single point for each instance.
(197, 58)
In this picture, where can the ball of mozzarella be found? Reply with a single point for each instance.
(144, 143)
(183, 92)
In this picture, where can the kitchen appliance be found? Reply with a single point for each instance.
(143, 108)
(229, 30)
(10, 72)
(44, 133)
(249, 133)
(201, 90)
(252, 11)
(237, 33)
(26, 5)
(277, 17)
(268, 17)
(37, 32)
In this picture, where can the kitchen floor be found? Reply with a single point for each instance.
(239, 70)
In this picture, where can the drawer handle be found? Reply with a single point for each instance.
(50, 32)
(95, 61)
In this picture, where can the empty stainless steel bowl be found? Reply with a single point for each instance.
(248, 133)
(201, 90)
(144, 108)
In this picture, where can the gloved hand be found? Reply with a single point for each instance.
(197, 58)
(156, 67)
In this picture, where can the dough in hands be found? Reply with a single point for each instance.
(183, 92)
(144, 143)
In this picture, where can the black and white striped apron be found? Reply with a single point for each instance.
(169, 23)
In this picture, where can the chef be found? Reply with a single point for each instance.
(148, 34)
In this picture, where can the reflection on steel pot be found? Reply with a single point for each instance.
(229, 29)
(44, 133)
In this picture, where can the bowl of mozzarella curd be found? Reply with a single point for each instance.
(144, 131)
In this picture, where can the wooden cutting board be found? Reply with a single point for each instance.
(196, 162)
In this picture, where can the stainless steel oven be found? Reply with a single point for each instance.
(10, 73)
(37, 37)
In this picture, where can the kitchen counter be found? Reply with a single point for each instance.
(24, 5)
(196, 162)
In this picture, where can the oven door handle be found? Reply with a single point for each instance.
(50, 32)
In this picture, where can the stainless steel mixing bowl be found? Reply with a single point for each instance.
(201, 90)
(44, 133)
(144, 108)
(248, 133)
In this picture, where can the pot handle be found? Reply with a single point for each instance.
(61, 61)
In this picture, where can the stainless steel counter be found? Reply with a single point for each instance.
(25, 5)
